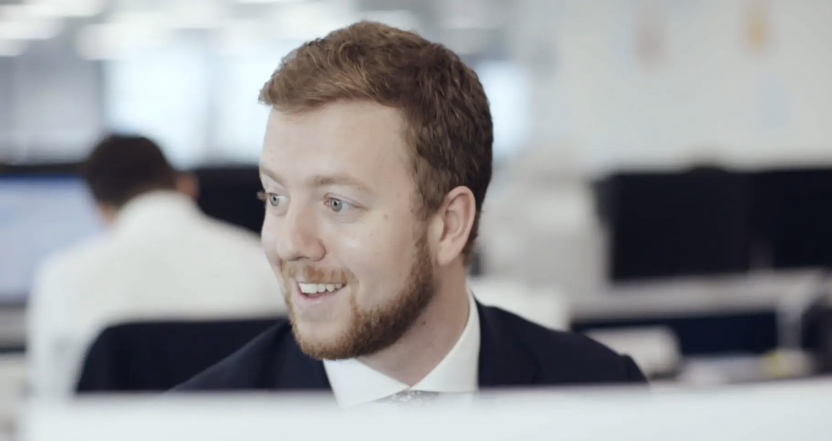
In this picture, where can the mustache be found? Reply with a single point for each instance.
(311, 274)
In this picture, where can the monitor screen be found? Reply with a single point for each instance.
(38, 216)
(665, 225)
(792, 216)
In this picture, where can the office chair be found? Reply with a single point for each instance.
(156, 356)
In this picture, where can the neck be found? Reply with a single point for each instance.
(432, 335)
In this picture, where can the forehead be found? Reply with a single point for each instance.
(362, 140)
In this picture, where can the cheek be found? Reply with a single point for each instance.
(268, 238)
(379, 257)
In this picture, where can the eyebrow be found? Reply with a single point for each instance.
(274, 176)
(324, 180)
(349, 181)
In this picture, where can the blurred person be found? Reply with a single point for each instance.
(159, 258)
(375, 166)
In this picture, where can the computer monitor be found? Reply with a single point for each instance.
(792, 216)
(230, 195)
(39, 214)
(665, 225)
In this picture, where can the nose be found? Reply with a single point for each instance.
(298, 238)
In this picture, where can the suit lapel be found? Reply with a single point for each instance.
(503, 360)
(295, 370)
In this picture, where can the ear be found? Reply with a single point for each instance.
(188, 184)
(108, 212)
(451, 225)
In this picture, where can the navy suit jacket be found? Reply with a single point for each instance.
(513, 353)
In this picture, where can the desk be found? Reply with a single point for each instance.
(750, 313)
(794, 410)
(692, 296)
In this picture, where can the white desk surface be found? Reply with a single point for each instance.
(778, 411)
(700, 295)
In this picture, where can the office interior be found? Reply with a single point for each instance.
(663, 168)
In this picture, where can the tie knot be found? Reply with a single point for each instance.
(414, 398)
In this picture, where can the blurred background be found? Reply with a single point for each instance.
(663, 168)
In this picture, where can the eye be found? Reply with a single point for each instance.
(337, 205)
(272, 199)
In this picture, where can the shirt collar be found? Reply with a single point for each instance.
(354, 383)
(150, 208)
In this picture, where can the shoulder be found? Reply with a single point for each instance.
(244, 369)
(567, 357)
(221, 237)
(75, 260)
(247, 250)
(230, 233)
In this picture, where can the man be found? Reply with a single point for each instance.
(375, 165)
(160, 258)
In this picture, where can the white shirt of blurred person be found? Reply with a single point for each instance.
(160, 257)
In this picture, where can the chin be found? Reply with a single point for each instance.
(320, 340)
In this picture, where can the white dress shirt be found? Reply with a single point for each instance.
(162, 259)
(454, 378)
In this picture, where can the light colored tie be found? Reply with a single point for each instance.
(411, 398)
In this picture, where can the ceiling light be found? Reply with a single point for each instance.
(21, 22)
(197, 14)
(68, 8)
(112, 40)
(30, 30)
(13, 13)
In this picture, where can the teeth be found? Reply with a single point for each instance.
(314, 288)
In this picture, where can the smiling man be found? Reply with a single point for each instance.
(375, 166)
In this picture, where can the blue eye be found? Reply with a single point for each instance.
(337, 205)
(272, 199)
